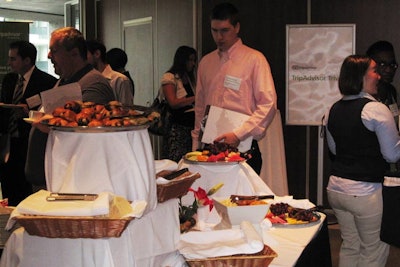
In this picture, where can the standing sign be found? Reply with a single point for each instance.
(10, 32)
(314, 56)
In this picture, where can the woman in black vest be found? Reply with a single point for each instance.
(362, 137)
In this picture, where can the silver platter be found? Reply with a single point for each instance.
(99, 129)
(211, 163)
(300, 225)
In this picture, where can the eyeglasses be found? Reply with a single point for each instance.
(385, 65)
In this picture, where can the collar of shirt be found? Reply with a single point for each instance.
(26, 77)
(226, 55)
(77, 76)
(107, 72)
(360, 95)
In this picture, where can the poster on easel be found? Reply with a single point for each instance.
(10, 32)
(314, 55)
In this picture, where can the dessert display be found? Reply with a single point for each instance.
(283, 213)
(217, 152)
(89, 114)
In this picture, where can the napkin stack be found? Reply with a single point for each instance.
(36, 204)
(200, 245)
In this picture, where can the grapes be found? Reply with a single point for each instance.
(279, 208)
(218, 147)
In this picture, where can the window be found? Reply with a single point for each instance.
(39, 35)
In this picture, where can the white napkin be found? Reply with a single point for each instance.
(295, 203)
(200, 245)
(36, 204)
(165, 164)
(251, 236)
(162, 180)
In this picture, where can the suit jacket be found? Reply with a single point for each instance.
(38, 82)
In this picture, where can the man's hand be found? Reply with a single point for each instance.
(229, 138)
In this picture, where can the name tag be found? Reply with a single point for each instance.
(34, 101)
(232, 82)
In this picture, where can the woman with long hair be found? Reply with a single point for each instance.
(178, 87)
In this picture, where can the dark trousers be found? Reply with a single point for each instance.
(13, 183)
(390, 230)
(256, 160)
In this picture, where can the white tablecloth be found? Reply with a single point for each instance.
(272, 147)
(147, 241)
(289, 242)
(238, 179)
(118, 162)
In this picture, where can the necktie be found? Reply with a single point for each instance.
(18, 90)
(13, 125)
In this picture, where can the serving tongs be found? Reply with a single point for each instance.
(71, 196)
(238, 198)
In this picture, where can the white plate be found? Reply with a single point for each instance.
(29, 120)
(316, 220)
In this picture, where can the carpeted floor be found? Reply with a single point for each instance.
(335, 241)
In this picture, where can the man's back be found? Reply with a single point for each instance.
(121, 85)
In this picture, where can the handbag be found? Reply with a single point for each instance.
(163, 125)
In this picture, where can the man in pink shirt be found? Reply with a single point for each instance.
(238, 78)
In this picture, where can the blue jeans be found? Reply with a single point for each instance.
(360, 219)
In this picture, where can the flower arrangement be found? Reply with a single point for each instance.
(201, 198)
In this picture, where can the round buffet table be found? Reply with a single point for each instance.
(119, 162)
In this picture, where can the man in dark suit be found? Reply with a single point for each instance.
(21, 87)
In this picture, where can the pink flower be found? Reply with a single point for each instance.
(202, 198)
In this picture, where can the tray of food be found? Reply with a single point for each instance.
(89, 117)
(284, 215)
(218, 153)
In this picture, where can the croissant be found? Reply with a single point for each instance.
(75, 106)
(57, 121)
(69, 115)
(88, 111)
(88, 104)
(58, 111)
(113, 122)
(72, 124)
(95, 123)
(98, 108)
(83, 119)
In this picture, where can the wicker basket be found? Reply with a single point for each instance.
(4, 234)
(73, 227)
(262, 258)
(175, 188)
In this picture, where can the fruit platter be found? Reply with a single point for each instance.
(282, 214)
(216, 153)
